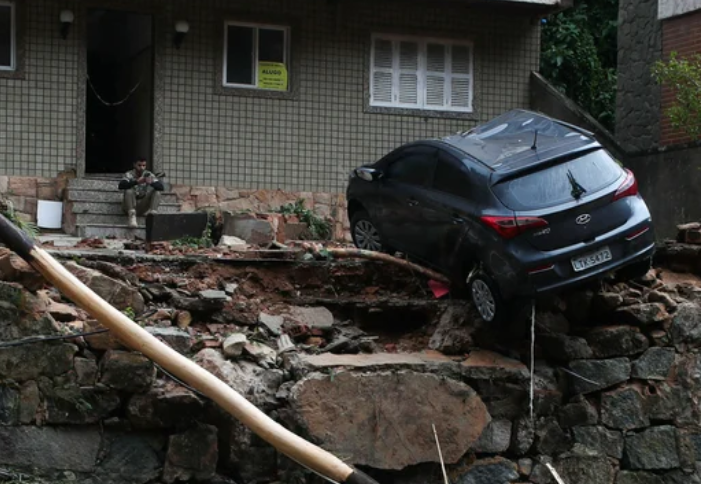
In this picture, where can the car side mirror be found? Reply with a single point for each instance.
(368, 174)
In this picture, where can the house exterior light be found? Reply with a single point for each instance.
(66, 18)
(182, 27)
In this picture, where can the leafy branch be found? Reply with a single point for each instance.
(7, 209)
(319, 228)
(683, 76)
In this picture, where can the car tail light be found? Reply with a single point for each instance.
(510, 227)
(628, 188)
(540, 269)
(637, 234)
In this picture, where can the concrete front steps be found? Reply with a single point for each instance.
(93, 208)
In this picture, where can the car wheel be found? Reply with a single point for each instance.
(485, 296)
(364, 233)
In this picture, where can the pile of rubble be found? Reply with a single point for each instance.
(358, 357)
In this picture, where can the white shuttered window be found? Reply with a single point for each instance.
(421, 74)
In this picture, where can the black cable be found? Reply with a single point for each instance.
(179, 381)
(40, 339)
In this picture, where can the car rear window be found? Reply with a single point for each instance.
(551, 186)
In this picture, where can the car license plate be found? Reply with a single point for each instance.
(590, 260)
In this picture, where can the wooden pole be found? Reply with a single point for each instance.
(135, 337)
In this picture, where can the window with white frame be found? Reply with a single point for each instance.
(256, 56)
(7, 35)
(427, 74)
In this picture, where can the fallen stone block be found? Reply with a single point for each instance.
(14, 269)
(119, 294)
(176, 338)
(162, 227)
(248, 227)
(192, 454)
(50, 448)
(380, 419)
(453, 334)
(127, 371)
(259, 385)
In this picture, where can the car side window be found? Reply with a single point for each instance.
(414, 166)
(449, 178)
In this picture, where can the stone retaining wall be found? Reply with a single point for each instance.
(615, 390)
(330, 206)
(24, 192)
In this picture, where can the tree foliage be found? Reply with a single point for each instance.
(579, 56)
(683, 76)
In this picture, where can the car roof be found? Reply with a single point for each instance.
(506, 142)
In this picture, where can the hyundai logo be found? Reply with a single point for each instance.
(583, 219)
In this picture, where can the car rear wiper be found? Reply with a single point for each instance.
(577, 189)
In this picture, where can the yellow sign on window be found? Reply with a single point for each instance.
(272, 75)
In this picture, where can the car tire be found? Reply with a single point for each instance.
(486, 298)
(364, 233)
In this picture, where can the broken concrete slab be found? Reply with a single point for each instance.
(232, 242)
(272, 323)
(172, 226)
(480, 364)
(317, 317)
(380, 419)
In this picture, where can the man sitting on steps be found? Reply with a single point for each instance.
(141, 191)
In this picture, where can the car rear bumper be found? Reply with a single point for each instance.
(551, 272)
(594, 273)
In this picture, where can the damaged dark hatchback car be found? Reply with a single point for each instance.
(521, 206)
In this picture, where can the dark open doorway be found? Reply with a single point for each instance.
(119, 107)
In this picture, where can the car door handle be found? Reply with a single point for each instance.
(458, 220)
(412, 202)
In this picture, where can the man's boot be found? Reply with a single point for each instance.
(132, 219)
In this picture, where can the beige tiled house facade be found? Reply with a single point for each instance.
(305, 138)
